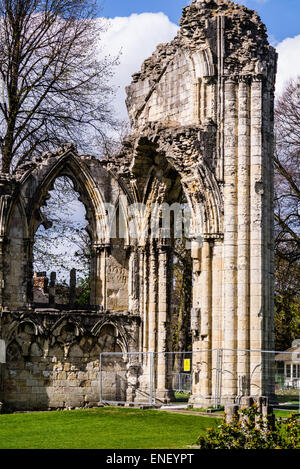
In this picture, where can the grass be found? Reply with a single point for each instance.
(102, 428)
(284, 413)
(290, 397)
(181, 396)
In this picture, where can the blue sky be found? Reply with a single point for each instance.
(282, 17)
(136, 27)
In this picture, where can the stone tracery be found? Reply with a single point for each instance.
(201, 111)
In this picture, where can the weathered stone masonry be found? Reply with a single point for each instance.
(201, 112)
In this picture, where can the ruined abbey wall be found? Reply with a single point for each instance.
(201, 112)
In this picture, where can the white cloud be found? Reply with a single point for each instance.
(288, 61)
(136, 36)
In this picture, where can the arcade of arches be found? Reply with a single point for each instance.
(201, 112)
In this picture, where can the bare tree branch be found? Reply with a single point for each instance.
(56, 85)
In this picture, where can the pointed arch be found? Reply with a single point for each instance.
(72, 166)
(120, 332)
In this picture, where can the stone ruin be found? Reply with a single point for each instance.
(201, 112)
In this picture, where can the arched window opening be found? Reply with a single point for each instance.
(61, 250)
(182, 280)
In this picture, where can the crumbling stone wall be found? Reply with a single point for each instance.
(53, 359)
(201, 112)
(53, 353)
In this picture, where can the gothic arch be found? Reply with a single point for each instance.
(63, 322)
(121, 339)
(70, 165)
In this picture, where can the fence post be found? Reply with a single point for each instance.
(217, 380)
(151, 377)
(218, 385)
(100, 378)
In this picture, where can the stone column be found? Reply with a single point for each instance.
(217, 305)
(217, 294)
(243, 242)
(52, 290)
(163, 316)
(230, 240)
(196, 320)
(206, 321)
(257, 275)
(153, 295)
(143, 303)
(133, 281)
(72, 291)
(152, 315)
(28, 256)
(98, 275)
(93, 276)
(197, 100)
(5, 201)
(268, 125)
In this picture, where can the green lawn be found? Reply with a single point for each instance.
(102, 428)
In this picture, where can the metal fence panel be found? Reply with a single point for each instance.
(126, 378)
(170, 378)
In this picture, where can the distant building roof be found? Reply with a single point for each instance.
(291, 354)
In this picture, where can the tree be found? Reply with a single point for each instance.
(64, 228)
(182, 296)
(287, 302)
(65, 244)
(287, 215)
(287, 177)
(55, 86)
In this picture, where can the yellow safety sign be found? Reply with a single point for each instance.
(187, 365)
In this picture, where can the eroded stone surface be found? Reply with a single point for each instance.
(201, 111)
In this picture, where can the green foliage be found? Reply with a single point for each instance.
(83, 293)
(249, 430)
(182, 297)
(287, 319)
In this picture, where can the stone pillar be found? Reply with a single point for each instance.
(72, 291)
(6, 187)
(164, 296)
(143, 303)
(202, 302)
(197, 100)
(243, 242)
(52, 291)
(98, 275)
(206, 321)
(217, 306)
(133, 281)
(93, 275)
(196, 318)
(28, 255)
(269, 245)
(144, 300)
(257, 275)
(153, 295)
(230, 240)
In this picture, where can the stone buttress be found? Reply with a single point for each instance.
(201, 112)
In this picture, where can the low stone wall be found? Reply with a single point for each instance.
(41, 384)
(59, 368)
